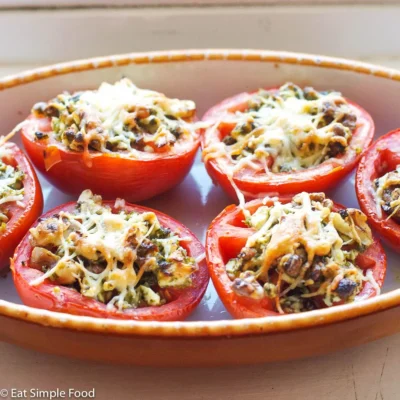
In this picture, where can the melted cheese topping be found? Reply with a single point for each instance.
(119, 258)
(11, 185)
(119, 118)
(300, 251)
(387, 194)
(290, 130)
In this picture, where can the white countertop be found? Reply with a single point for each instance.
(369, 372)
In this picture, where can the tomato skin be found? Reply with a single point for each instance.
(110, 175)
(71, 302)
(382, 157)
(21, 218)
(224, 241)
(316, 179)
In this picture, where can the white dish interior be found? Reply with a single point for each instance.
(196, 201)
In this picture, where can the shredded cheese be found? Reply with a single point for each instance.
(120, 118)
(11, 185)
(301, 251)
(288, 130)
(370, 278)
(119, 258)
(387, 194)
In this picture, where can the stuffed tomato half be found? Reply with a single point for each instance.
(118, 140)
(21, 200)
(284, 141)
(110, 259)
(378, 187)
(274, 257)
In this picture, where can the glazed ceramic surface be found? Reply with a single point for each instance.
(209, 336)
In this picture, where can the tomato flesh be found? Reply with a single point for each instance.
(382, 157)
(258, 184)
(66, 300)
(110, 175)
(20, 218)
(225, 240)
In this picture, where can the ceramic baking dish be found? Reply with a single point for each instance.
(210, 337)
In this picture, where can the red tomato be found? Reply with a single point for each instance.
(20, 218)
(109, 175)
(382, 157)
(260, 184)
(183, 301)
(227, 235)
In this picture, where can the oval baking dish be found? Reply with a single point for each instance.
(210, 337)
